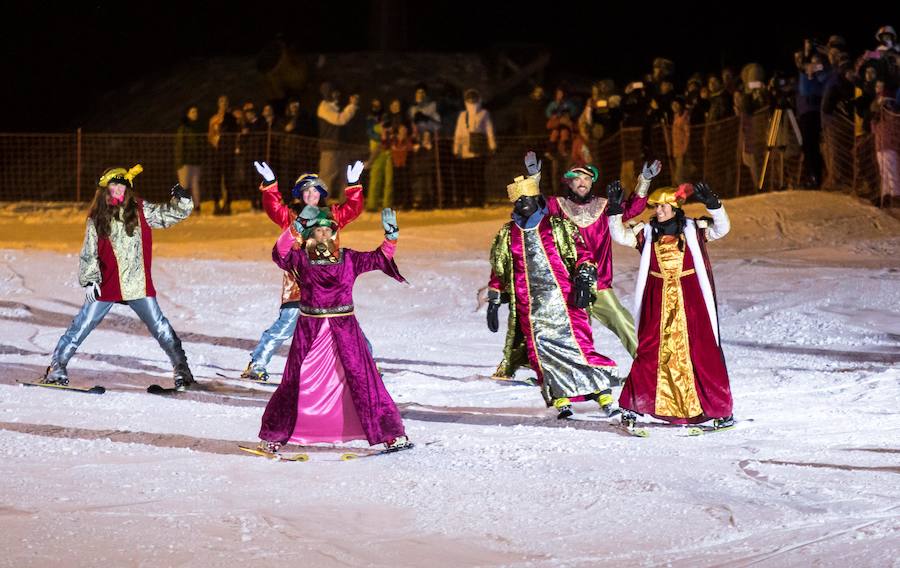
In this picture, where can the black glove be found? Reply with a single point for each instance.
(585, 278)
(493, 309)
(614, 194)
(706, 196)
(180, 192)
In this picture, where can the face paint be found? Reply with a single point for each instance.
(116, 193)
(526, 206)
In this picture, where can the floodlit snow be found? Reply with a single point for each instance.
(809, 291)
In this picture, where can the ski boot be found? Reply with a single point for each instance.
(629, 419)
(254, 372)
(607, 404)
(184, 379)
(563, 407)
(269, 447)
(55, 376)
(397, 444)
(723, 423)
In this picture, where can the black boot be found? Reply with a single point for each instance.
(184, 379)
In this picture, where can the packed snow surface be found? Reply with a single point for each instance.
(809, 292)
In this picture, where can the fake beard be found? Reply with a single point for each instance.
(322, 251)
(116, 200)
(578, 198)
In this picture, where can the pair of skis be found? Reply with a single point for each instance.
(96, 389)
(304, 457)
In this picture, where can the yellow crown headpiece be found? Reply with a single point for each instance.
(674, 196)
(527, 186)
(120, 174)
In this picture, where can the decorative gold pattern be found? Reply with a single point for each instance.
(522, 186)
(676, 394)
(583, 214)
(129, 250)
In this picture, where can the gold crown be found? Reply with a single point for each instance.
(674, 196)
(520, 186)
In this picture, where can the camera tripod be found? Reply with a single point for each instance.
(772, 142)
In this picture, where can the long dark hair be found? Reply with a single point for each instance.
(102, 212)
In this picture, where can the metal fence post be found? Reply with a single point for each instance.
(78, 165)
(437, 169)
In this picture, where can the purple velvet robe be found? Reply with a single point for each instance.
(327, 286)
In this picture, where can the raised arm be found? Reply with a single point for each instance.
(721, 225)
(273, 204)
(637, 201)
(177, 209)
(325, 112)
(346, 212)
(614, 212)
(381, 258)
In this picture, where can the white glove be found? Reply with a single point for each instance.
(91, 292)
(265, 171)
(353, 172)
(651, 170)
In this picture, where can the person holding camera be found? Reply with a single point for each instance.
(331, 119)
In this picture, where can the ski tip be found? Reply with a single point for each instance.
(96, 389)
(159, 389)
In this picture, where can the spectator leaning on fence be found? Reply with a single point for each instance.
(423, 115)
(681, 137)
(190, 146)
(331, 118)
(886, 128)
(473, 140)
(721, 103)
(811, 87)
(422, 172)
(531, 120)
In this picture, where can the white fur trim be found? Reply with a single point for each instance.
(690, 234)
(643, 271)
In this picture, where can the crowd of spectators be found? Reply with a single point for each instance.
(826, 81)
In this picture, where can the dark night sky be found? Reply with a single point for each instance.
(58, 59)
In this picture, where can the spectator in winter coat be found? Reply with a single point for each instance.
(190, 147)
(221, 127)
(423, 115)
(811, 86)
(681, 138)
(422, 172)
(532, 118)
(837, 95)
(721, 104)
(401, 150)
(887, 145)
(331, 119)
(473, 141)
(561, 114)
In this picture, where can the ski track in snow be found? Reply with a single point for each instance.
(117, 479)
